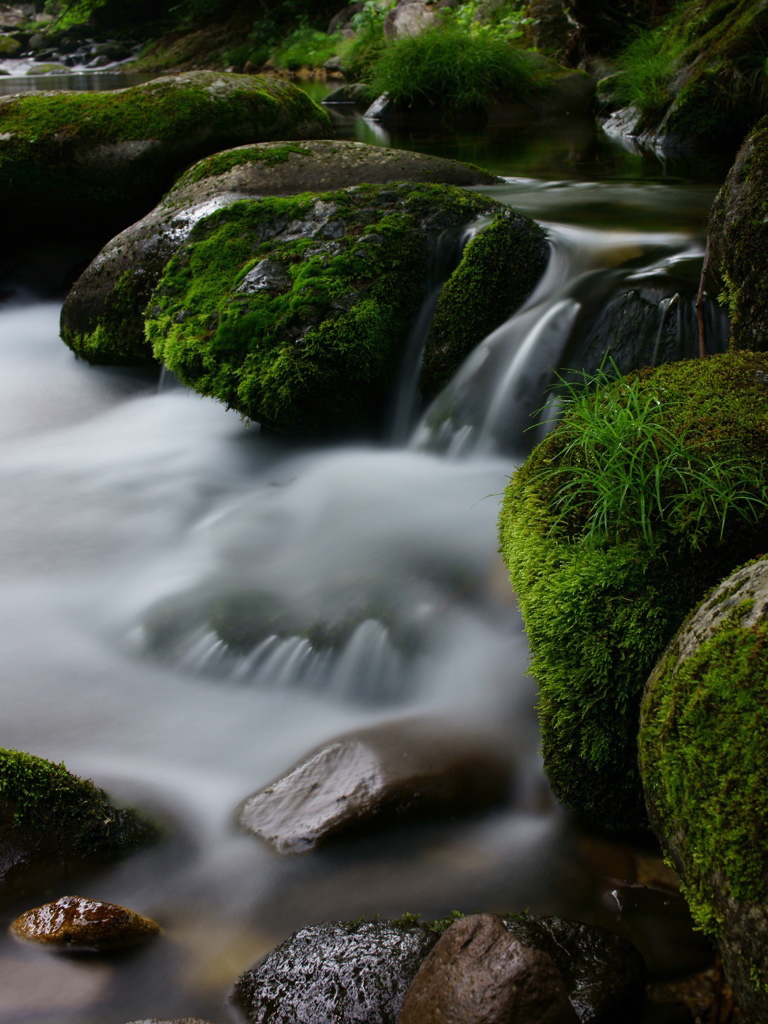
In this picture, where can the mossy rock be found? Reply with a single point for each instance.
(703, 752)
(52, 823)
(295, 311)
(113, 154)
(499, 269)
(599, 611)
(715, 85)
(738, 242)
(102, 318)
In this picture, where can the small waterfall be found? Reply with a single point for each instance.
(629, 295)
(446, 257)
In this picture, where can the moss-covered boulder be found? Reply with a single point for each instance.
(114, 154)
(698, 78)
(738, 242)
(102, 318)
(650, 491)
(52, 823)
(296, 311)
(703, 752)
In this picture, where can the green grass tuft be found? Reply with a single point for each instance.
(448, 67)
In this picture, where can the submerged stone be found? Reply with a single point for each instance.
(377, 777)
(51, 823)
(600, 606)
(76, 924)
(702, 757)
(64, 155)
(103, 315)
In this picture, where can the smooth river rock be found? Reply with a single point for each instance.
(478, 972)
(377, 777)
(77, 924)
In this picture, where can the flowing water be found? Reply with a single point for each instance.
(125, 500)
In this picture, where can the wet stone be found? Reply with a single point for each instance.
(76, 924)
(351, 972)
(376, 777)
(479, 972)
(603, 972)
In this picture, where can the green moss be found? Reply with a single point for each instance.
(220, 163)
(499, 269)
(702, 752)
(320, 350)
(702, 71)
(598, 615)
(108, 148)
(702, 756)
(50, 812)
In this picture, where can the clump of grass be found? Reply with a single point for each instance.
(625, 469)
(645, 69)
(446, 66)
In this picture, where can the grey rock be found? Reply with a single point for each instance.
(376, 777)
(350, 972)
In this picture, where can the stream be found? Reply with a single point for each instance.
(120, 490)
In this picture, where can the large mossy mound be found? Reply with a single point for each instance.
(51, 822)
(703, 750)
(103, 316)
(296, 311)
(601, 597)
(113, 154)
(738, 242)
(699, 77)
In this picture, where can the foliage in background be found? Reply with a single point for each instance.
(451, 67)
(722, 48)
(505, 21)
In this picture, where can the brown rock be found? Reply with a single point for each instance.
(76, 924)
(479, 974)
(377, 776)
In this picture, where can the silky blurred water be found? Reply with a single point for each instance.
(124, 503)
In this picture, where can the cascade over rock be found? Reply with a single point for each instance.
(102, 318)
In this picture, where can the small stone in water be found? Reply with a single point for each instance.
(78, 924)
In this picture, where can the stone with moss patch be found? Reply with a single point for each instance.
(102, 319)
(738, 242)
(499, 269)
(703, 742)
(51, 822)
(706, 83)
(600, 610)
(296, 311)
(113, 154)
